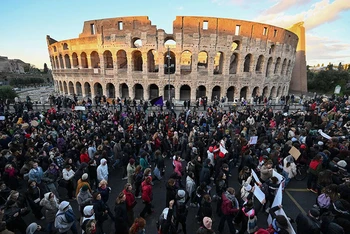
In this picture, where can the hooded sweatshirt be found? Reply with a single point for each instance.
(32, 228)
(61, 222)
(102, 170)
(51, 207)
(88, 215)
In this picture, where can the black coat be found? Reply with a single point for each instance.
(121, 218)
(307, 224)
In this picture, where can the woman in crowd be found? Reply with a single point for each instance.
(121, 221)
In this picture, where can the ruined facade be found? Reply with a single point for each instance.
(12, 65)
(213, 57)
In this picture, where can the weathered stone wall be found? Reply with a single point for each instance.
(211, 58)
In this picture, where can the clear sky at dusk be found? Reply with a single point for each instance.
(25, 23)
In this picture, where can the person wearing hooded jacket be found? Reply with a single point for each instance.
(229, 208)
(88, 214)
(166, 222)
(33, 228)
(50, 204)
(181, 209)
(102, 170)
(61, 222)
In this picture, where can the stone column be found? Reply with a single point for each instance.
(64, 63)
(161, 63)
(102, 64)
(193, 94)
(177, 93)
(88, 58)
(80, 66)
(146, 93)
(144, 64)
(131, 91)
(115, 63)
(178, 63)
(209, 93)
(194, 69)
(117, 90)
(130, 65)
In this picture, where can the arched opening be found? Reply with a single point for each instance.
(136, 42)
(67, 61)
(268, 67)
(61, 86)
(71, 88)
(235, 45)
(78, 89)
(61, 61)
(233, 63)
(95, 60)
(259, 64)
(84, 61)
(247, 61)
(218, 63)
(272, 49)
(98, 89)
(54, 49)
(138, 91)
(231, 94)
(283, 91)
(57, 63)
(122, 60)
(108, 59)
(65, 46)
(202, 65)
(289, 67)
(52, 61)
(110, 90)
(124, 90)
(243, 93)
(284, 64)
(153, 91)
(265, 92)
(216, 93)
(273, 92)
(201, 91)
(137, 60)
(65, 87)
(169, 63)
(278, 91)
(186, 62)
(75, 60)
(169, 42)
(152, 60)
(256, 92)
(277, 65)
(87, 89)
(167, 91)
(185, 93)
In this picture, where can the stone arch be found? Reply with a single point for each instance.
(65, 89)
(218, 63)
(278, 91)
(277, 65)
(71, 88)
(84, 60)
(124, 90)
(201, 91)
(284, 64)
(247, 62)
(272, 49)
(265, 91)
(98, 89)
(152, 60)
(110, 90)
(136, 42)
(87, 89)
(169, 62)
(186, 62)
(230, 94)
(95, 59)
(57, 63)
(243, 93)
(166, 92)
(273, 92)
(67, 61)
(61, 61)
(185, 92)
(138, 90)
(61, 86)
(260, 64)
(216, 93)
(108, 59)
(235, 45)
(234, 63)
(122, 61)
(65, 46)
(268, 67)
(78, 88)
(153, 91)
(202, 65)
(137, 61)
(75, 60)
(169, 42)
(256, 91)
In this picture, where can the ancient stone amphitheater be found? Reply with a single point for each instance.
(204, 56)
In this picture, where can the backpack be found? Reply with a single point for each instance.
(252, 224)
(323, 201)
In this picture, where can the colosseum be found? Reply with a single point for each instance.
(204, 56)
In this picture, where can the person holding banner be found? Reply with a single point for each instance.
(279, 223)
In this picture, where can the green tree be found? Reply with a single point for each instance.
(7, 92)
(45, 68)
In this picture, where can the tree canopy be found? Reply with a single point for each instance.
(7, 92)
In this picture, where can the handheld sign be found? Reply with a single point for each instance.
(294, 152)
(81, 108)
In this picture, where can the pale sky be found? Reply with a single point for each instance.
(25, 23)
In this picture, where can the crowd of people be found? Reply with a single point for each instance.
(46, 152)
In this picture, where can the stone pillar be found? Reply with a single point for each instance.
(130, 65)
(102, 64)
(178, 63)
(226, 64)
(64, 63)
(117, 90)
(146, 93)
(177, 93)
(115, 63)
(79, 62)
(194, 62)
(210, 68)
(193, 94)
(161, 63)
(88, 58)
(131, 91)
(83, 91)
(144, 64)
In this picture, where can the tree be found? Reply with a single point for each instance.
(7, 92)
(45, 68)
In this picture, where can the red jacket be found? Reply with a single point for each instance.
(84, 158)
(129, 199)
(146, 192)
(227, 206)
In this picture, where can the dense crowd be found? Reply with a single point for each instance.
(43, 152)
